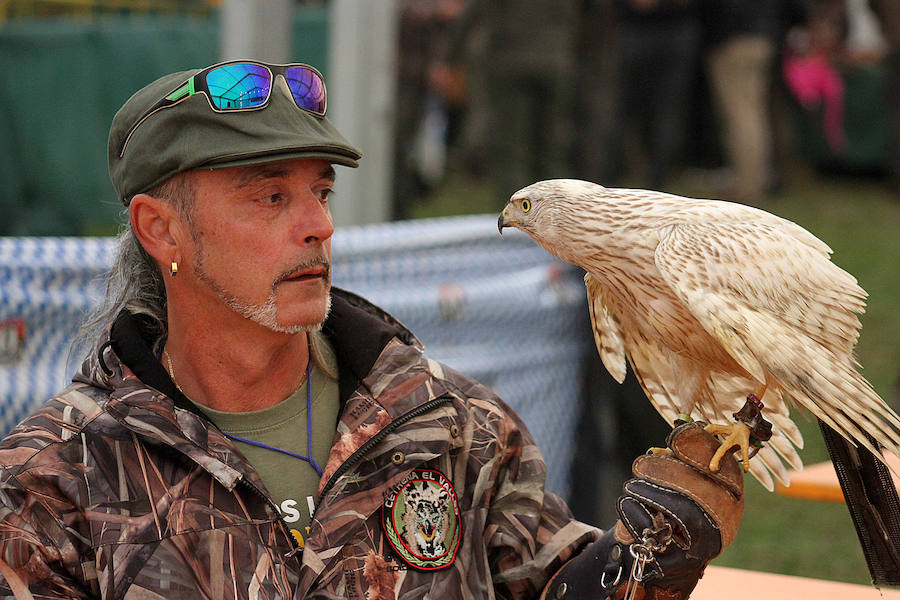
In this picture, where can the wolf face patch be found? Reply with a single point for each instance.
(421, 520)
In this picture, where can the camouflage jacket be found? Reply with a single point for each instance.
(116, 488)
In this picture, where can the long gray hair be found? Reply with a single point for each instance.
(135, 282)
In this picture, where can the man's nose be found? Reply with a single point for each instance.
(314, 223)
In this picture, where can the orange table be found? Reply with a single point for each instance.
(819, 482)
(723, 583)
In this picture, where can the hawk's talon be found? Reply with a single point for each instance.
(750, 431)
(738, 435)
(754, 450)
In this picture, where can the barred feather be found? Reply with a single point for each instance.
(710, 301)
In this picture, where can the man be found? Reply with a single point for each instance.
(243, 430)
(742, 42)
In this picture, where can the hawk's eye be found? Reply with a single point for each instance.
(526, 205)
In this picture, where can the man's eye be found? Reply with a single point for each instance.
(273, 199)
(325, 194)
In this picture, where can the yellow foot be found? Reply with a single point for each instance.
(738, 435)
(660, 451)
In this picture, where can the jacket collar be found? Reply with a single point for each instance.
(358, 331)
(126, 365)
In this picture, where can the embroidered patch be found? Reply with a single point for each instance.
(421, 520)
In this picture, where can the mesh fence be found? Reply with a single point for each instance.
(499, 309)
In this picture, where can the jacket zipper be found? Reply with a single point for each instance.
(374, 440)
(295, 547)
(349, 463)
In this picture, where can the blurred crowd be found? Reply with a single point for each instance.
(632, 91)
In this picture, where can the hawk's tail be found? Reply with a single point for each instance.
(873, 503)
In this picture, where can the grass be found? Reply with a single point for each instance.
(860, 220)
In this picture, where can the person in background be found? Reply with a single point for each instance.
(421, 131)
(659, 45)
(742, 39)
(524, 55)
(888, 13)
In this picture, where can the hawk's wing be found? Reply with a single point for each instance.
(606, 332)
(672, 383)
(783, 311)
(671, 380)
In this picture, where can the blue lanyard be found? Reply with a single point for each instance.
(307, 458)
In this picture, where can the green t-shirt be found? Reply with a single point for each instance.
(291, 482)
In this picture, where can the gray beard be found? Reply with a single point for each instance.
(265, 314)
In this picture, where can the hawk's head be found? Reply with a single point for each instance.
(550, 211)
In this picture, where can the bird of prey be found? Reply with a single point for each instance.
(713, 302)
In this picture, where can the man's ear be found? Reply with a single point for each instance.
(157, 227)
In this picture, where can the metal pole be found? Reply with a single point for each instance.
(361, 82)
(257, 29)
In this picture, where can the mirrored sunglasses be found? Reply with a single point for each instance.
(241, 86)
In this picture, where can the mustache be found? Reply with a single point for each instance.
(301, 266)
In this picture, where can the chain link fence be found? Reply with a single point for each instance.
(499, 309)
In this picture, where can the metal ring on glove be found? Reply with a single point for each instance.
(614, 583)
(640, 552)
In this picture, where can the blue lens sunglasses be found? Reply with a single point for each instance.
(241, 86)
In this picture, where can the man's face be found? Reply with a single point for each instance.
(261, 238)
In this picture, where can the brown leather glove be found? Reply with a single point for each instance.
(676, 508)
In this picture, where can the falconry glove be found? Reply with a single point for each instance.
(674, 517)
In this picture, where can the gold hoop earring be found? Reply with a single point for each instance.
(174, 268)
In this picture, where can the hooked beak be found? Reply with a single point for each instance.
(504, 221)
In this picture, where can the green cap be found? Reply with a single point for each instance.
(192, 135)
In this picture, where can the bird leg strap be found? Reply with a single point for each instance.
(751, 416)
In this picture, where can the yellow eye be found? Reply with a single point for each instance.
(526, 205)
